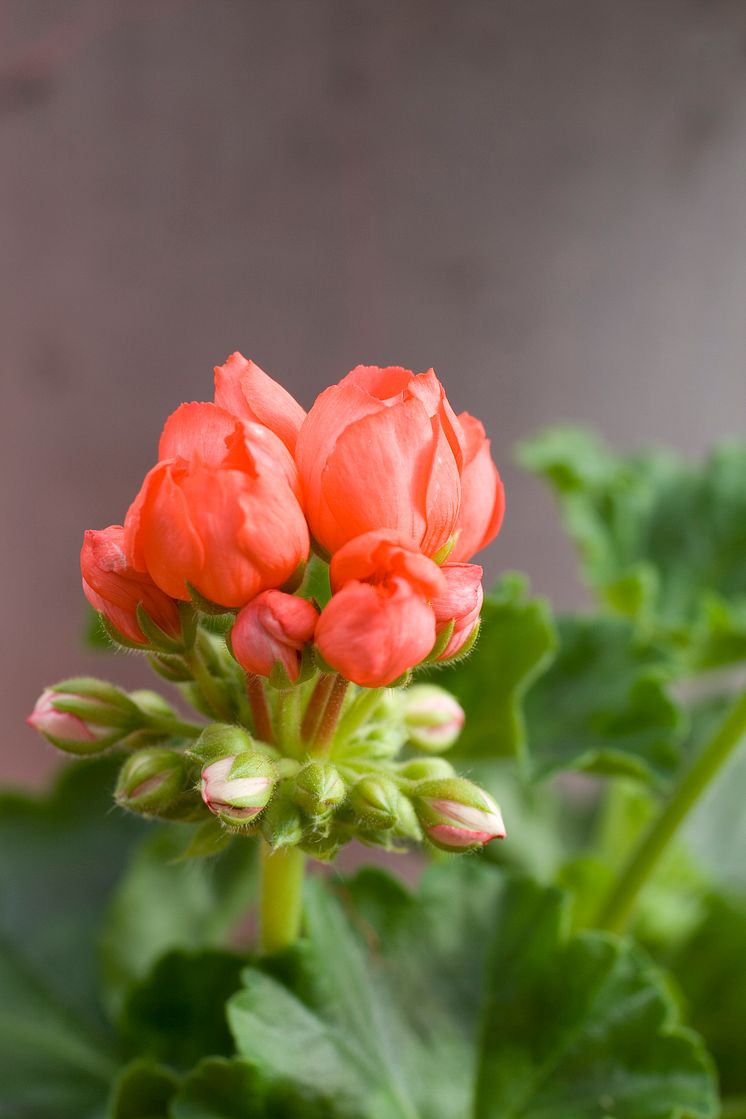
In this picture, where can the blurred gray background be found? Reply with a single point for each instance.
(544, 199)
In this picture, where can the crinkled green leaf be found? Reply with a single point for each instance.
(60, 856)
(581, 1027)
(661, 540)
(234, 1089)
(165, 902)
(469, 999)
(143, 1090)
(711, 970)
(177, 1013)
(515, 644)
(602, 705)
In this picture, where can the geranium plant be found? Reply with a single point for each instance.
(304, 584)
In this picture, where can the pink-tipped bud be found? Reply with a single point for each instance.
(236, 788)
(271, 632)
(432, 716)
(457, 815)
(84, 716)
(457, 611)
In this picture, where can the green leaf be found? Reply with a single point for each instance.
(143, 1090)
(515, 645)
(177, 1014)
(660, 539)
(315, 585)
(223, 1089)
(165, 902)
(582, 1028)
(471, 1000)
(711, 971)
(60, 856)
(602, 705)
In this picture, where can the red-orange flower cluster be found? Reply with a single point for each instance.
(381, 474)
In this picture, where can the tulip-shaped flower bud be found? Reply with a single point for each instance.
(84, 716)
(246, 391)
(376, 802)
(152, 781)
(457, 610)
(382, 449)
(319, 789)
(238, 787)
(121, 594)
(269, 635)
(457, 815)
(432, 716)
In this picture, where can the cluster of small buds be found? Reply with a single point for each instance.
(290, 597)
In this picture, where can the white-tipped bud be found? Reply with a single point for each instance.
(432, 716)
(457, 815)
(238, 787)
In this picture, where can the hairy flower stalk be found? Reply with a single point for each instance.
(301, 664)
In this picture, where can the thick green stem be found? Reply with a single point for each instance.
(259, 708)
(328, 724)
(643, 860)
(175, 726)
(287, 721)
(281, 900)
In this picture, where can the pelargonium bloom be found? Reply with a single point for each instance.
(246, 391)
(273, 629)
(218, 515)
(380, 621)
(383, 449)
(115, 588)
(482, 494)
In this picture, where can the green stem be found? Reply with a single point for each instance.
(361, 708)
(259, 708)
(281, 897)
(210, 688)
(175, 727)
(734, 1107)
(328, 724)
(643, 860)
(287, 719)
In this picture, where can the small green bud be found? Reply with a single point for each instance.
(375, 802)
(220, 740)
(319, 788)
(152, 781)
(432, 716)
(426, 769)
(282, 822)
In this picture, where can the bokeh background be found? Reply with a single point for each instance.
(544, 199)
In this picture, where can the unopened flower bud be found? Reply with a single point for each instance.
(375, 802)
(319, 788)
(152, 781)
(236, 788)
(220, 740)
(432, 716)
(269, 635)
(426, 769)
(282, 822)
(84, 716)
(457, 815)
